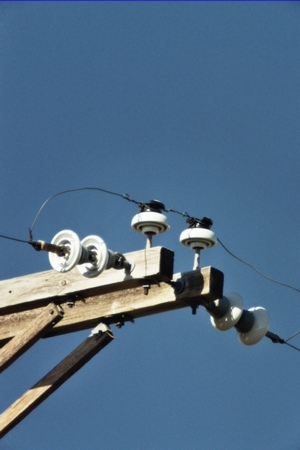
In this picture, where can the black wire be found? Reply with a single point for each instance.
(124, 196)
(293, 335)
(278, 340)
(274, 337)
(257, 270)
(292, 346)
(183, 214)
(34, 244)
(127, 197)
(13, 239)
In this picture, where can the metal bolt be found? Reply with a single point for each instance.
(146, 289)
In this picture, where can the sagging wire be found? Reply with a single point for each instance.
(38, 245)
(141, 205)
(124, 196)
(257, 270)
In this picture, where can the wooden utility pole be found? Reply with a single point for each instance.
(51, 303)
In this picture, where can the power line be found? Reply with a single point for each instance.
(278, 340)
(124, 196)
(13, 239)
(292, 346)
(257, 270)
(274, 337)
(141, 204)
(293, 335)
(117, 194)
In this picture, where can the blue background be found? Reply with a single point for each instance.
(197, 105)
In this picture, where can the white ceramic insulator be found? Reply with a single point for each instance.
(198, 238)
(71, 241)
(150, 222)
(259, 328)
(96, 246)
(231, 316)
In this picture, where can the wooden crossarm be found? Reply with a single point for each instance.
(39, 289)
(83, 310)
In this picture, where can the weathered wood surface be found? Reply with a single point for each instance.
(84, 309)
(54, 379)
(39, 289)
(113, 297)
(29, 335)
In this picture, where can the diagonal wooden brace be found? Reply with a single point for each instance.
(35, 329)
(99, 338)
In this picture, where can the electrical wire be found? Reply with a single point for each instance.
(13, 239)
(124, 196)
(173, 210)
(293, 335)
(257, 270)
(35, 244)
(274, 337)
(292, 346)
(141, 204)
(278, 340)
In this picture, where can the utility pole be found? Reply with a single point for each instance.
(110, 288)
(49, 303)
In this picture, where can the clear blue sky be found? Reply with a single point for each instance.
(196, 104)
